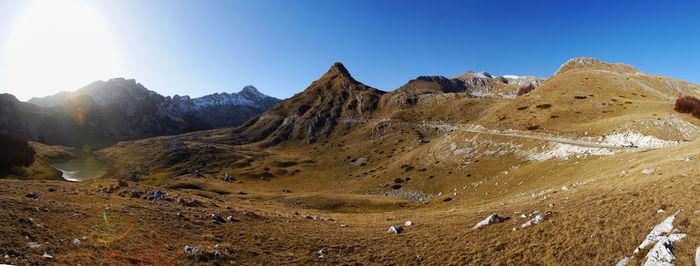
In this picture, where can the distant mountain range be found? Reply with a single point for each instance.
(104, 112)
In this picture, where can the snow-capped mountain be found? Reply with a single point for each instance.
(248, 96)
(122, 109)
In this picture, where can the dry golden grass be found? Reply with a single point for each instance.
(599, 221)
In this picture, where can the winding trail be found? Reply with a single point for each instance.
(473, 128)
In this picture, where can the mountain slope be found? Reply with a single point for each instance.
(121, 109)
(600, 98)
(314, 113)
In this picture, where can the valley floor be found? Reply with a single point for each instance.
(599, 218)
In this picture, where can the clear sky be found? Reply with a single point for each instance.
(202, 47)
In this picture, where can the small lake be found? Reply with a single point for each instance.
(85, 167)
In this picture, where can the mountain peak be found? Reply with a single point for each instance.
(250, 89)
(590, 63)
(338, 68)
(470, 74)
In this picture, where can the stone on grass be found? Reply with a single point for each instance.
(624, 261)
(396, 229)
(532, 221)
(408, 223)
(191, 250)
(661, 253)
(493, 218)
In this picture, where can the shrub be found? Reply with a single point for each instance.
(14, 151)
(688, 105)
(525, 89)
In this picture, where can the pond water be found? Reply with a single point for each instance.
(85, 167)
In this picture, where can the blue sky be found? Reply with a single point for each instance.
(202, 47)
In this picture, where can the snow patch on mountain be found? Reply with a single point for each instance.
(248, 96)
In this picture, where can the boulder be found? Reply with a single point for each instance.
(493, 218)
(191, 250)
(396, 229)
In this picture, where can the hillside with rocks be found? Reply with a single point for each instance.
(590, 166)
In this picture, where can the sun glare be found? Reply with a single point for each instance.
(57, 45)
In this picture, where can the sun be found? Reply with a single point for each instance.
(55, 46)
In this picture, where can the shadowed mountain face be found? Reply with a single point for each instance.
(313, 113)
(121, 109)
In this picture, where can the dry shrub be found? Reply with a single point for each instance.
(525, 89)
(14, 151)
(688, 105)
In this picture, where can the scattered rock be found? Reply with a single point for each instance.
(493, 218)
(217, 219)
(648, 171)
(537, 219)
(408, 223)
(191, 250)
(563, 188)
(343, 225)
(624, 261)
(218, 255)
(34, 245)
(231, 219)
(396, 229)
(661, 253)
(664, 227)
(47, 255)
(659, 210)
(532, 221)
(76, 241)
(286, 191)
(697, 257)
(624, 172)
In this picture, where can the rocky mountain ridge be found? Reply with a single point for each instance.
(122, 109)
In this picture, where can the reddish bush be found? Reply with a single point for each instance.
(14, 151)
(526, 89)
(688, 105)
